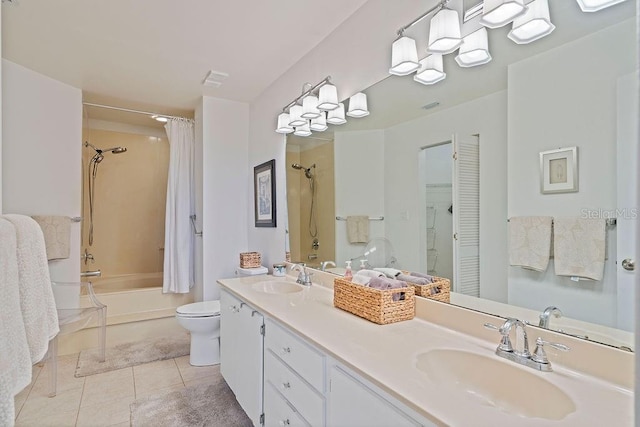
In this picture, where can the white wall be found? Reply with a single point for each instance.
(404, 210)
(198, 286)
(359, 174)
(226, 201)
(41, 161)
(563, 106)
(1, 211)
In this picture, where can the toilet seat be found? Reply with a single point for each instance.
(199, 309)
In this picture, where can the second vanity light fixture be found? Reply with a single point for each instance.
(318, 106)
(530, 21)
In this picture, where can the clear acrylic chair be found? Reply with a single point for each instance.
(72, 319)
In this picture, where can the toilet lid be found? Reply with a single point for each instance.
(204, 308)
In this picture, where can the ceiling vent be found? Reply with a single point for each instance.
(214, 78)
(430, 105)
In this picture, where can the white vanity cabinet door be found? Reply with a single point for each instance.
(353, 404)
(278, 412)
(241, 353)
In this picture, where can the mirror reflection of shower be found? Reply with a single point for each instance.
(92, 174)
(313, 224)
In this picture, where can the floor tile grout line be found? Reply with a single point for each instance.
(179, 372)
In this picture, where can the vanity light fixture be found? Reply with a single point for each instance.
(319, 124)
(431, 70)
(358, 106)
(533, 25)
(295, 116)
(328, 97)
(283, 124)
(596, 5)
(310, 107)
(336, 117)
(497, 13)
(475, 49)
(303, 130)
(444, 32)
(404, 56)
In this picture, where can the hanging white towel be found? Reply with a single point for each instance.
(530, 242)
(579, 247)
(15, 361)
(358, 229)
(36, 295)
(179, 273)
(57, 235)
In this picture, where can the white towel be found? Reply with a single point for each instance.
(15, 361)
(530, 242)
(57, 235)
(358, 229)
(391, 273)
(579, 247)
(36, 295)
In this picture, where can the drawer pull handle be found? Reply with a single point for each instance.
(286, 385)
(284, 422)
(286, 350)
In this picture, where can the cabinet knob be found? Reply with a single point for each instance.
(286, 385)
(286, 350)
(284, 422)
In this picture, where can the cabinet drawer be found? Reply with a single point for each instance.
(278, 412)
(306, 361)
(304, 398)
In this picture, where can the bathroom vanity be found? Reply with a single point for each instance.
(292, 358)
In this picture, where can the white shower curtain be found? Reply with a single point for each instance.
(179, 238)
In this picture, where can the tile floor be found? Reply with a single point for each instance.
(103, 399)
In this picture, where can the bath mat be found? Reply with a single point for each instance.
(132, 354)
(211, 404)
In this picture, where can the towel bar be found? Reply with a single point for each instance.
(374, 218)
(611, 222)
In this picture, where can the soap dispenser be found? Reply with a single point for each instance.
(348, 274)
(363, 264)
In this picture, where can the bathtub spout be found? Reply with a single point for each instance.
(95, 273)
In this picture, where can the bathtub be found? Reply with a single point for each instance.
(126, 282)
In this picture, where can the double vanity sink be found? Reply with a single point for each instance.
(445, 376)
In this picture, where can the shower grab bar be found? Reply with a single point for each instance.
(193, 225)
(371, 218)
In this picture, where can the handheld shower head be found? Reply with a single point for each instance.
(297, 166)
(115, 150)
(307, 171)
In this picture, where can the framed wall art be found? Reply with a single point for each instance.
(264, 188)
(559, 171)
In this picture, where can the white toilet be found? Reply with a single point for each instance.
(202, 320)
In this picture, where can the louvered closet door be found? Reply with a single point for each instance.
(466, 215)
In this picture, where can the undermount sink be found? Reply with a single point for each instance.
(492, 382)
(276, 287)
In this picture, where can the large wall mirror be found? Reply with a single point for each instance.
(577, 87)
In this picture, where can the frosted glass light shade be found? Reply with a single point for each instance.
(475, 49)
(328, 97)
(358, 106)
(336, 117)
(404, 57)
(319, 124)
(283, 124)
(295, 116)
(310, 107)
(596, 5)
(431, 70)
(303, 130)
(444, 32)
(497, 13)
(533, 25)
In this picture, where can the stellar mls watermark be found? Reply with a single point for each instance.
(623, 213)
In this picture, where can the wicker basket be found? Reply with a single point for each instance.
(374, 305)
(440, 284)
(250, 259)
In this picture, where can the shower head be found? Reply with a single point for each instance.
(98, 157)
(116, 150)
(307, 171)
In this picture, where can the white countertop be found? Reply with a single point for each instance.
(386, 355)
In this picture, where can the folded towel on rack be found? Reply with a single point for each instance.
(422, 275)
(36, 295)
(414, 279)
(15, 360)
(391, 273)
(57, 234)
(386, 283)
(358, 229)
(579, 247)
(530, 242)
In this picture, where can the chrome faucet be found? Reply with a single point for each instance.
(324, 264)
(538, 360)
(544, 317)
(304, 278)
(86, 257)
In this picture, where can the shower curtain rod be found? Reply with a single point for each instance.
(128, 110)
